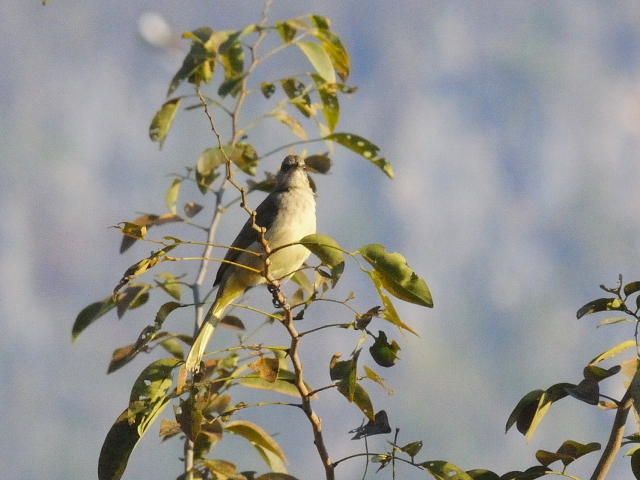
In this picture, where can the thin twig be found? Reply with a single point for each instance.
(316, 423)
(202, 272)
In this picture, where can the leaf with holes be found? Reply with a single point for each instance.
(363, 147)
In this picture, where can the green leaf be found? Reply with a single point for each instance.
(172, 195)
(568, 452)
(319, 163)
(576, 450)
(631, 288)
(384, 353)
(284, 383)
(345, 373)
(533, 407)
(256, 436)
(286, 30)
(232, 85)
(222, 469)
(546, 458)
(90, 314)
(377, 378)
(149, 393)
(612, 352)
(332, 45)
(396, 276)
(363, 147)
(529, 474)
(329, 253)
(389, 313)
(293, 124)
(165, 310)
(206, 167)
(445, 471)
(267, 89)
(600, 305)
(325, 248)
(232, 53)
(267, 368)
(148, 399)
(597, 373)
(170, 285)
(362, 400)
(163, 119)
(174, 347)
(132, 297)
(297, 93)
(481, 474)
(330, 103)
(131, 233)
(276, 476)
(320, 60)
(117, 447)
(611, 321)
(199, 64)
(242, 154)
(525, 410)
(142, 266)
(411, 449)
(320, 22)
(635, 464)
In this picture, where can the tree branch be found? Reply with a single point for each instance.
(615, 439)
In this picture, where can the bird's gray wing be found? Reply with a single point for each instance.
(265, 215)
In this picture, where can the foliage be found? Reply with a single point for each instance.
(207, 407)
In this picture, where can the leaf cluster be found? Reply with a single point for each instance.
(208, 407)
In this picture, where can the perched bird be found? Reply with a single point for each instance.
(288, 214)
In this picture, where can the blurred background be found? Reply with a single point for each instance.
(514, 131)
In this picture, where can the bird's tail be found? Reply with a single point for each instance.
(209, 325)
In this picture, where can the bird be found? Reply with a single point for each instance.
(287, 214)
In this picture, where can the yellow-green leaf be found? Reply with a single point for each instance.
(332, 45)
(222, 469)
(320, 60)
(396, 276)
(117, 447)
(600, 305)
(372, 375)
(90, 314)
(330, 102)
(318, 163)
(363, 147)
(445, 471)
(255, 435)
(384, 353)
(612, 352)
(389, 313)
(329, 253)
(163, 119)
(172, 195)
(286, 30)
(298, 95)
(276, 476)
(199, 64)
(290, 122)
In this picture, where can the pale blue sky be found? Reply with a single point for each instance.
(513, 128)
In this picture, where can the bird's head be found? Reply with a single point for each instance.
(292, 174)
